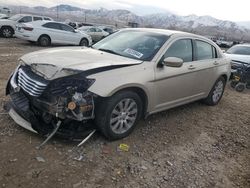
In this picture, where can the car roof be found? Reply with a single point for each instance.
(34, 15)
(244, 45)
(162, 31)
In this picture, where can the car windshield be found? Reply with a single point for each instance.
(241, 50)
(139, 45)
(15, 17)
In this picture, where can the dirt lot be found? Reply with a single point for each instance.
(190, 146)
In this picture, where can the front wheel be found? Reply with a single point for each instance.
(216, 92)
(44, 41)
(117, 116)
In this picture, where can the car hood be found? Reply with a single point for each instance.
(59, 62)
(241, 58)
(7, 21)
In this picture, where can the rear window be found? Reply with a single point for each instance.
(45, 18)
(37, 18)
(52, 25)
(241, 50)
(204, 50)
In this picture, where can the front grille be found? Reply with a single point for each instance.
(30, 82)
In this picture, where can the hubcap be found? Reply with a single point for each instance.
(44, 42)
(218, 90)
(123, 116)
(6, 33)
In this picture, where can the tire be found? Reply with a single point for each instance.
(240, 87)
(117, 116)
(233, 83)
(84, 42)
(216, 92)
(44, 41)
(7, 32)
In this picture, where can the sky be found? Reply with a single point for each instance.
(222, 9)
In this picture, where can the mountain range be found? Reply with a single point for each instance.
(204, 25)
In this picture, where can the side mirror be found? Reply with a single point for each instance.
(173, 62)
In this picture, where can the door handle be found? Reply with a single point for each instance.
(216, 63)
(191, 67)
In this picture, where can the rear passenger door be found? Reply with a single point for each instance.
(53, 30)
(205, 65)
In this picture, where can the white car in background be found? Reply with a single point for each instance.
(239, 54)
(96, 33)
(46, 33)
(8, 26)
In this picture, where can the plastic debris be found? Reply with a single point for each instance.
(80, 158)
(123, 147)
(169, 163)
(85, 139)
(50, 135)
(40, 159)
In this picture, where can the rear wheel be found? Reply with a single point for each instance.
(44, 40)
(84, 42)
(216, 92)
(117, 116)
(7, 32)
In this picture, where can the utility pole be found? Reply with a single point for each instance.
(57, 12)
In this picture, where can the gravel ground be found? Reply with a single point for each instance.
(189, 146)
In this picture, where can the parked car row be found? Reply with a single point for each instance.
(45, 31)
(51, 32)
(8, 26)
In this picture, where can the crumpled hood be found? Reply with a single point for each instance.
(235, 57)
(52, 63)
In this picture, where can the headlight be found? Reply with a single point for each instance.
(69, 85)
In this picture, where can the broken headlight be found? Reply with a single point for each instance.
(69, 85)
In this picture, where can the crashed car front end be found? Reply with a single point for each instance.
(38, 103)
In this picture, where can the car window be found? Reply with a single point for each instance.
(182, 49)
(133, 44)
(45, 18)
(241, 50)
(67, 28)
(92, 30)
(52, 25)
(204, 50)
(25, 19)
(35, 18)
(98, 30)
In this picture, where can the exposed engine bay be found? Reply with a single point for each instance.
(45, 102)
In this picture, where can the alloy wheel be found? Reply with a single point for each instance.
(123, 116)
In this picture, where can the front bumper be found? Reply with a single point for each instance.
(40, 114)
(21, 121)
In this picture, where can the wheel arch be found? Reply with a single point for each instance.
(138, 90)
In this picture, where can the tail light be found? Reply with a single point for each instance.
(28, 28)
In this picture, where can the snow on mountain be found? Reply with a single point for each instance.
(205, 25)
(244, 24)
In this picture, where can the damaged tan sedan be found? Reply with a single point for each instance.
(126, 76)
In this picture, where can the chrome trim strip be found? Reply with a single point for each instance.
(35, 82)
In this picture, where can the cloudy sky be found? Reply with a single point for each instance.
(221, 9)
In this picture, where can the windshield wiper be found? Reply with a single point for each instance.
(109, 51)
